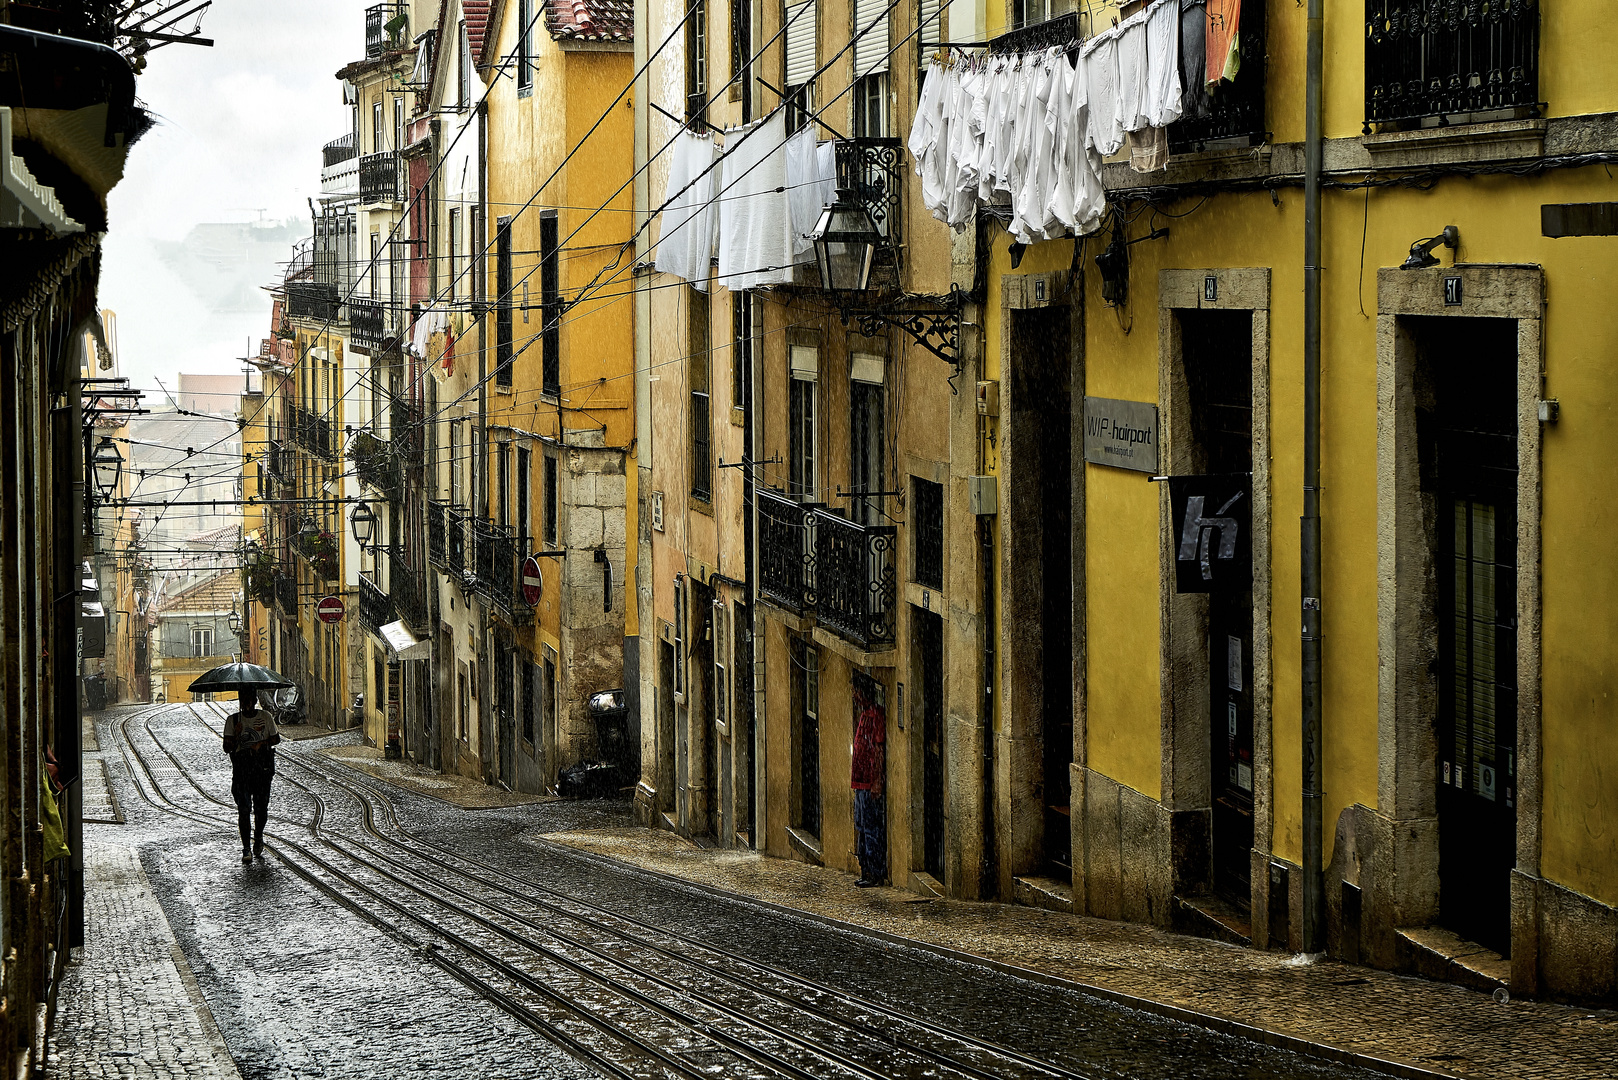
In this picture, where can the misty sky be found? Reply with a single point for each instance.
(239, 129)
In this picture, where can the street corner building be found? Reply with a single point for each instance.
(989, 357)
(68, 115)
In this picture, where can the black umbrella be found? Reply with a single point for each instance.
(228, 677)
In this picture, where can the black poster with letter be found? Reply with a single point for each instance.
(1212, 542)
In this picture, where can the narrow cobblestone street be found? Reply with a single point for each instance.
(392, 934)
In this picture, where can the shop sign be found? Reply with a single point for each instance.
(1213, 517)
(1122, 434)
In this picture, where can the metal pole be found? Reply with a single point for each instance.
(1313, 881)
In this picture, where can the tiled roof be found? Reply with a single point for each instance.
(217, 593)
(591, 20)
(476, 14)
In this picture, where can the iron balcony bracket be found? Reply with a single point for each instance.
(938, 330)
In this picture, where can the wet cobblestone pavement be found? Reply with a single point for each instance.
(389, 934)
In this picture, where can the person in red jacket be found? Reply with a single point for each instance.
(870, 768)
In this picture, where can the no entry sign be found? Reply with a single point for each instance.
(533, 583)
(330, 609)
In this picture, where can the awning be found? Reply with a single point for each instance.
(404, 644)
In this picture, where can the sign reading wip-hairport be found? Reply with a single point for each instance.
(1122, 434)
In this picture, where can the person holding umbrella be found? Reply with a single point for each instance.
(250, 740)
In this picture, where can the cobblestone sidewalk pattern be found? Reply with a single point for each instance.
(129, 1008)
(1435, 1026)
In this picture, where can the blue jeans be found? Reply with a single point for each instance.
(871, 822)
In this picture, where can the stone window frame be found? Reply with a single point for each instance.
(1183, 673)
(1406, 683)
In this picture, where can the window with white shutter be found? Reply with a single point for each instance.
(930, 17)
(871, 37)
(801, 38)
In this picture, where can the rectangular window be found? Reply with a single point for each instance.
(743, 315)
(375, 269)
(202, 641)
(475, 241)
(502, 302)
(699, 361)
(377, 138)
(550, 293)
(523, 529)
(930, 31)
(463, 83)
(927, 526)
(802, 24)
(525, 69)
(870, 37)
(549, 679)
(801, 473)
(455, 285)
(463, 707)
(502, 473)
(398, 123)
(1028, 12)
(741, 55)
(871, 106)
(550, 499)
(530, 699)
(865, 450)
(696, 60)
(454, 464)
(808, 671)
(679, 637)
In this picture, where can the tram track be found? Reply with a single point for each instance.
(711, 1003)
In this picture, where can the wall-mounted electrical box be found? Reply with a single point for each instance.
(988, 399)
(983, 494)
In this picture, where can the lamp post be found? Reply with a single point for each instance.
(845, 240)
(363, 522)
(234, 621)
(105, 467)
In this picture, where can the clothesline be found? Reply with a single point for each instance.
(1029, 131)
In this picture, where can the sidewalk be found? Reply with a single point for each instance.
(130, 1007)
(461, 791)
(1401, 1020)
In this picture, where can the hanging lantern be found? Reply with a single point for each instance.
(845, 242)
(363, 522)
(105, 467)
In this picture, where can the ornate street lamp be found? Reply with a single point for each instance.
(105, 467)
(845, 240)
(234, 621)
(363, 522)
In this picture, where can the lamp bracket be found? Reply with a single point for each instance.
(938, 330)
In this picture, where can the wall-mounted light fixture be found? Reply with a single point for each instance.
(1421, 252)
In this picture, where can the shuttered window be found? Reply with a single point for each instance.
(931, 32)
(801, 38)
(871, 49)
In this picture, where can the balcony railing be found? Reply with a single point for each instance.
(1233, 114)
(286, 594)
(856, 581)
(405, 427)
(278, 461)
(379, 177)
(873, 168)
(312, 300)
(1450, 61)
(386, 28)
(408, 590)
(367, 324)
(339, 149)
(437, 551)
(313, 432)
(376, 610)
(786, 551)
(455, 521)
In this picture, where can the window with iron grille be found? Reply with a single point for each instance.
(696, 60)
(550, 499)
(550, 292)
(502, 319)
(927, 526)
(532, 689)
(699, 361)
(1450, 62)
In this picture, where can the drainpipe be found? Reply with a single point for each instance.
(1313, 879)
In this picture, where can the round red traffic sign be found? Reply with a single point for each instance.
(533, 583)
(330, 609)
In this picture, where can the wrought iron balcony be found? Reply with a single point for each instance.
(406, 421)
(286, 594)
(872, 167)
(338, 150)
(455, 521)
(408, 590)
(1450, 61)
(278, 461)
(856, 581)
(312, 431)
(379, 177)
(367, 324)
(312, 300)
(495, 555)
(387, 28)
(786, 551)
(437, 529)
(1233, 115)
(376, 609)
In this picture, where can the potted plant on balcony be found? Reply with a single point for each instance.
(319, 547)
(258, 577)
(374, 462)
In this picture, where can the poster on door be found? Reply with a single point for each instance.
(1213, 517)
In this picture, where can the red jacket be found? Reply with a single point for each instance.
(870, 734)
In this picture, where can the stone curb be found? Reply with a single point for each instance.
(1212, 1021)
(223, 1060)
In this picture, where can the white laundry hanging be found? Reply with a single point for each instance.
(755, 220)
(809, 189)
(685, 244)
